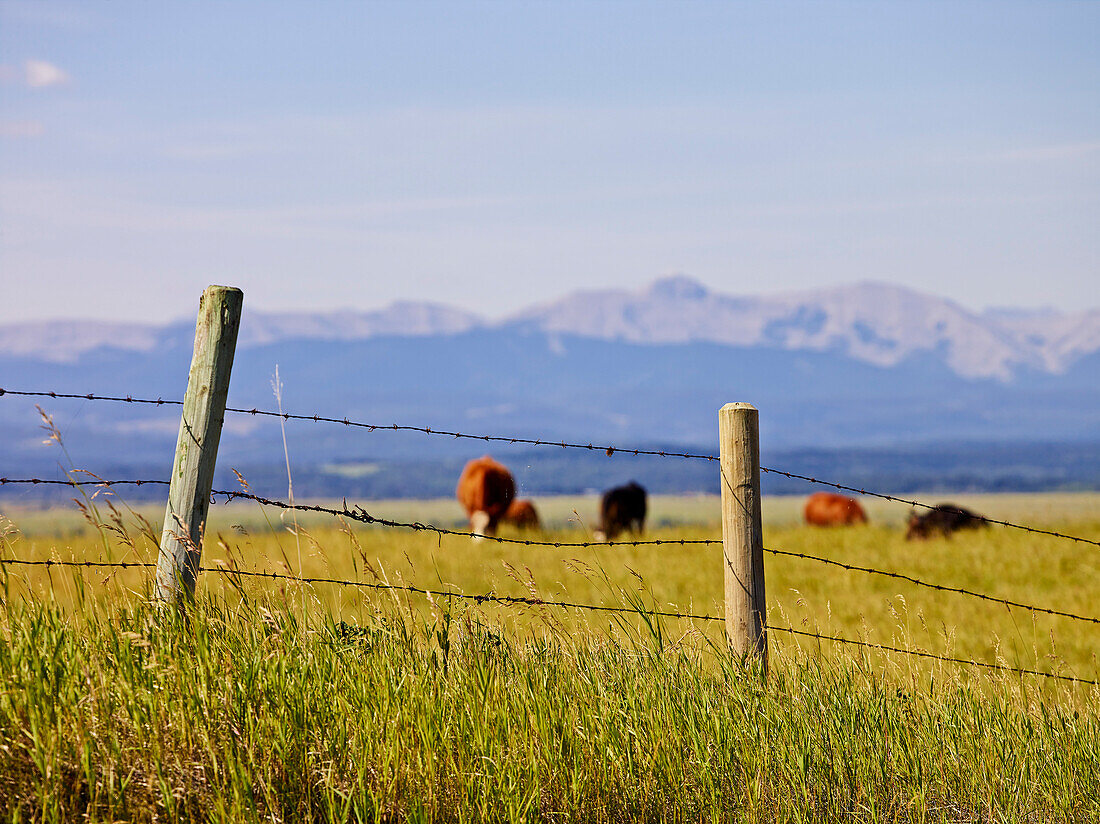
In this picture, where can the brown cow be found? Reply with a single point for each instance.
(485, 489)
(522, 515)
(830, 509)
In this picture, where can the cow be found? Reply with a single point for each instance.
(830, 509)
(942, 519)
(621, 508)
(522, 515)
(485, 489)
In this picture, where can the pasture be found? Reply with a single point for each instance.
(289, 701)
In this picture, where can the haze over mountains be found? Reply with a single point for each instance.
(870, 322)
(860, 367)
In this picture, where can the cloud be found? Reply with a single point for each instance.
(41, 74)
(21, 128)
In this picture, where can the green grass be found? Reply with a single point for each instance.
(250, 713)
(440, 709)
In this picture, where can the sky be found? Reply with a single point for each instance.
(344, 155)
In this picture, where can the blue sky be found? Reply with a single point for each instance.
(345, 155)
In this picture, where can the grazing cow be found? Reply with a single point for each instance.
(942, 519)
(485, 489)
(522, 515)
(830, 509)
(622, 508)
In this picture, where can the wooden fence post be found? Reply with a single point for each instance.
(197, 446)
(742, 532)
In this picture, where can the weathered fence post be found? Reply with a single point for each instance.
(742, 532)
(197, 446)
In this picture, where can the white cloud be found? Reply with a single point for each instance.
(21, 128)
(41, 74)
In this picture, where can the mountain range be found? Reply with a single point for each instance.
(870, 322)
(864, 366)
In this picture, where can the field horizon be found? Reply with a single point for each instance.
(579, 512)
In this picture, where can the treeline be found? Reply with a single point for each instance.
(966, 467)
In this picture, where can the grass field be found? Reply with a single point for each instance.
(1002, 562)
(441, 709)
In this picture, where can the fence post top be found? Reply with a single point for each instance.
(213, 287)
(738, 406)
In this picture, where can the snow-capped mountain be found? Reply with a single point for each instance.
(869, 322)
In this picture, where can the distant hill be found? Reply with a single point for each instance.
(860, 367)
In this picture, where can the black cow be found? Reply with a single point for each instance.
(942, 519)
(622, 508)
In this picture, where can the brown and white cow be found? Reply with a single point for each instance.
(830, 509)
(485, 490)
(522, 515)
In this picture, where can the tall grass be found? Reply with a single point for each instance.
(809, 596)
(252, 712)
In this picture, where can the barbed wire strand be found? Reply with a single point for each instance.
(529, 601)
(49, 562)
(361, 515)
(609, 450)
(36, 481)
(501, 599)
(939, 587)
(481, 598)
(922, 505)
(373, 427)
(919, 653)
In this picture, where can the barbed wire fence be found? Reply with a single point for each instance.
(608, 449)
(358, 513)
(511, 600)
(362, 515)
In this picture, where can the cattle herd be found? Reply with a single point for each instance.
(487, 491)
(831, 509)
